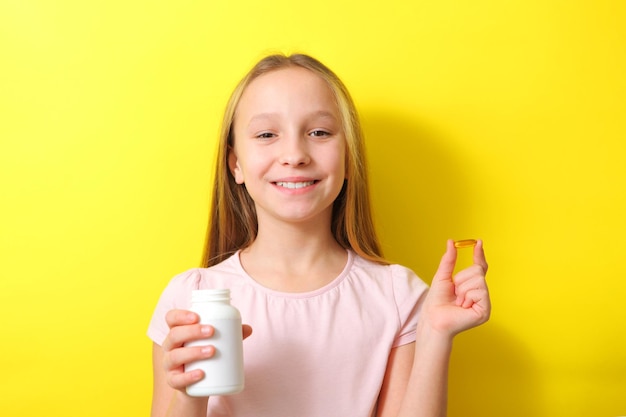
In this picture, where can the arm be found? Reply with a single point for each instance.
(395, 382)
(426, 381)
(427, 387)
(451, 306)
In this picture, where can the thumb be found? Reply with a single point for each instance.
(447, 263)
(246, 330)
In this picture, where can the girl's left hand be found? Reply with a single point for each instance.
(458, 303)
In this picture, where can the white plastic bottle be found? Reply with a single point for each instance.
(223, 373)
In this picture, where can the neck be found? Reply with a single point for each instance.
(294, 257)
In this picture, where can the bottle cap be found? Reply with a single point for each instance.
(199, 296)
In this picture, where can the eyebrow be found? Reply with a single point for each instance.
(324, 114)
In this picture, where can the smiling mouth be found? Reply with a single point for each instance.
(293, 185)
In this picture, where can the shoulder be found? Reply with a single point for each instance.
(222, 275)
(394, 272)
(177, 292)
(403, 283)
(393, 292)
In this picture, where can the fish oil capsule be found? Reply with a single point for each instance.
(464, 258)
(465, 243)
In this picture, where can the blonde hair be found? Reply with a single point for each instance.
(233, 222)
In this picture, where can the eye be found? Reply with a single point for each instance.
(318, 133)
(265, 135)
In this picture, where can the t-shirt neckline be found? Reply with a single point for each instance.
(307, 294)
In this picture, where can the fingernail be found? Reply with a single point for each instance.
(206, 330)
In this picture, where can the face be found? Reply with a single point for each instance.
(289, 146)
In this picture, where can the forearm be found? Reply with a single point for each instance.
(182, 405)
(167, 401)
(427, 389)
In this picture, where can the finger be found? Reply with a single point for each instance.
(180, 335)
(465, 283)
(180, 380)
(178, 357)
(466, 279)
(446, 265)
(468, 292)
(246, 330)
(181, 317)
(477, 286)
(479, 255)
(472, 295)
(469, 273)
(478, 301)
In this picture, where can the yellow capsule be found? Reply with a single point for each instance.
(465, 243)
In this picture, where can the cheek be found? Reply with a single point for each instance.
(253, 167)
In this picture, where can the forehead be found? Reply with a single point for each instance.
(287, 90)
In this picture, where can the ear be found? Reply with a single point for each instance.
(235, 168)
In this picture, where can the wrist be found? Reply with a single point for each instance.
(429, 337)
(183, 404)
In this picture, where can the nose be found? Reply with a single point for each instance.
(294, 151)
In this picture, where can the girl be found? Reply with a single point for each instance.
(338, 331)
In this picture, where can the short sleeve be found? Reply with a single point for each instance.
(409, 292)
(176, 295)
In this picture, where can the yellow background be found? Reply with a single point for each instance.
(502, 120)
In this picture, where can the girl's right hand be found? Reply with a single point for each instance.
(185, 327)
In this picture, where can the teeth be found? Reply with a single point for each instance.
(294, 184)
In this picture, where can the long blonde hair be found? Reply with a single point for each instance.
(233, 221)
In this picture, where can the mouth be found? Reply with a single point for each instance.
(295, 185)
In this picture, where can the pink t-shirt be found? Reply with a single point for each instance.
(316, 354)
